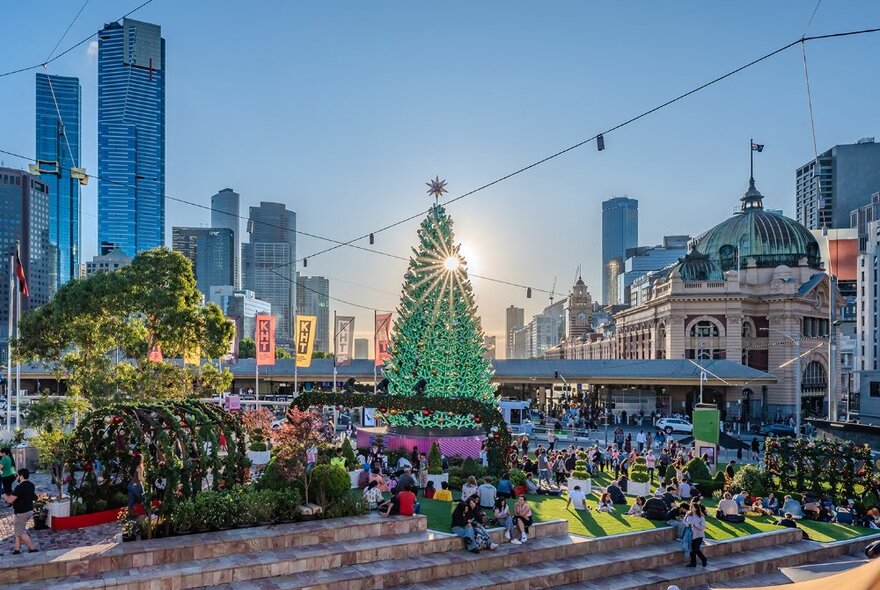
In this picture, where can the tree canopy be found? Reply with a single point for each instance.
(101, 331)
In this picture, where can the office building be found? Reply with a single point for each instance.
(515, 319)
(361, 348)
(620, 232)
(644, 259)
(241, 306)
(58, 123)
(840, 181)
(269, 263)
(24, 218)
(522, 343)
(109, 262)
(212, 253)
(313, 298)
(131, 136)
(489, 345)
(225, 212)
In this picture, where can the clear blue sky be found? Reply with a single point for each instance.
(343, 110)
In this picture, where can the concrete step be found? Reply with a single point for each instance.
(110, 557)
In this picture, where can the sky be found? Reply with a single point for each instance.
(343, 110)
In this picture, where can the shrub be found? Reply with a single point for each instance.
(348, 454)
(517, 477)
(349, 505)
(696, 468)
(670, 473)
(257, 440)
(435, 459)
(640, 461)
(329, 485)
(751, 479)
(471, 467)
(100, 505)
(580, 470)
(639, 474)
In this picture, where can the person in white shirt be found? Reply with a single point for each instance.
(578, 498)
(684, 490)
(640, 439)
(727, 507)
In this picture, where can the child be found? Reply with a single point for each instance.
(443, 494)
(430, 491)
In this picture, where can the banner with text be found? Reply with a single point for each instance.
(383, 338)
(265, 340)
(305, 339)
(344, 339)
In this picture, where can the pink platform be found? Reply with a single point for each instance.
(463, 446)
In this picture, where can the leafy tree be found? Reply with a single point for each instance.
(435, 459)
(290, 442)
(247, 349)
(281, 353)
(100, 331)
(348, 454)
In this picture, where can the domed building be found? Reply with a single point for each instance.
(746, 288)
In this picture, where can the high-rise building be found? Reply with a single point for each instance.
(645, 259)
(489, 345)
(131, 136)
(58, 122)
(515, 319)
(225, 213)
(212, 253)
(269, 263)
(620, 232)
(24, 202)
(840, 181)
(313, 298)
(241, 306)
(361, 348)
(109, 262)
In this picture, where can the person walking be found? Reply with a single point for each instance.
(7, 470)
(696, 521)
(640, 440)
(551, 439)
(22, 500)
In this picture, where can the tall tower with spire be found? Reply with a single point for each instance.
(579, 311)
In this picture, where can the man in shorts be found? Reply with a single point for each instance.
(22, 500)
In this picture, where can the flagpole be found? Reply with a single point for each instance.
(295, 356)
(256, 382)
(17, 363)
(375, 353)
(9, 344)
(335, 349)
(751, 159)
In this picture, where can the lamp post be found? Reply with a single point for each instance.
(797, 377)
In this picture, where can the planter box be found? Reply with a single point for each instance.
(438, 479)
(638, 489)
(354, 476)
(586, 485)
(64, 523)
(259, 457)
(58, 509)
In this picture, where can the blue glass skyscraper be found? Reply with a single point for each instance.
(620, 232)
(131, 136)
(58, 150)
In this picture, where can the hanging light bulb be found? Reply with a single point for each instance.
(528, 292)
(600, 142)
(305, 262)
(372, 239)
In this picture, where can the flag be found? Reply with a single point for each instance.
(19, 272)
(305, 339)
(265, 340)
(757, 147)
(383, 338)
(344, 341)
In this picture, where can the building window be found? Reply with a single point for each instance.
(875, 388)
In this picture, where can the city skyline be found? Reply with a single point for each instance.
(694, 155)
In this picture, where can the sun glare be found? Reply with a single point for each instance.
(451, 263)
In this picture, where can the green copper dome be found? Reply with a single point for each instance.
(771, 239)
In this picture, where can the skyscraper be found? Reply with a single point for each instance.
(313, 298)
(620, 232)
(24, 201)
(269, 263)
(131, 136)
(225, 213)
(58, 150)
(361, 348)
(515, 319)
(210, 250)
(847, 175)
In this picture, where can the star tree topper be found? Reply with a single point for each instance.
(436, 188)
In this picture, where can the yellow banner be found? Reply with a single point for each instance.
(305, 339)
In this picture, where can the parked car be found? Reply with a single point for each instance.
(670, 425)
(776, 430)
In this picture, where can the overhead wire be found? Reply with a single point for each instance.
(67, 30)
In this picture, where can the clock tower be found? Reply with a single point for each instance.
(580, 311)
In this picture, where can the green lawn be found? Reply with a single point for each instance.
(600, 524)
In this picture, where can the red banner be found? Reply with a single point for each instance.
(383, 338)
(265, 340)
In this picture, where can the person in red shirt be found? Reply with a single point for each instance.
(404, 503)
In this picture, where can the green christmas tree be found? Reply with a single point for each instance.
(436, 335)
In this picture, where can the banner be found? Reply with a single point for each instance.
(344, 340)
(383, 338)
(305, 339)
(265, 340)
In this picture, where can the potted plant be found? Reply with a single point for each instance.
(435, 466)
(130, 527)
(354, 470)
(53, 448)
(258, 450)
(639, 482)
(41, 512)
(580, 477)
(518, 479)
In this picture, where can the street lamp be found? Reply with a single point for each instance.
(797, 377)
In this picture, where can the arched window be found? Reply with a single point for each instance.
(814, 376)
(704, 329)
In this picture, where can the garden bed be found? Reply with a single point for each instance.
(66, 523)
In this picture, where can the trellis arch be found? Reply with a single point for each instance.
(180, 442)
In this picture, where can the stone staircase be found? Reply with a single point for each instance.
(372, 552)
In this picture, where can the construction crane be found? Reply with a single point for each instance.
(552, 290)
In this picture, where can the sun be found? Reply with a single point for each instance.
(452, 263)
